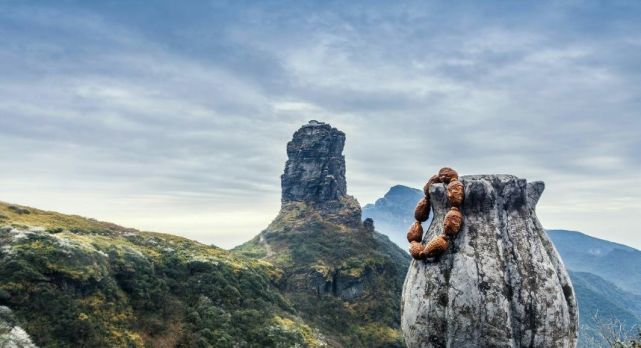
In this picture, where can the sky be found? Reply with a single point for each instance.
(174, 116)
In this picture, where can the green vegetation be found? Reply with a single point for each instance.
(73, 282)
(344, 280)
(305, 281)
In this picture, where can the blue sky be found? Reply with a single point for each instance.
(174, 116)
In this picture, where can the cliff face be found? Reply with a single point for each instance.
(315, 169)
(338, 272)
(315, 174)
(500, 284)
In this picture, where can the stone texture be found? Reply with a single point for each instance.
(315, 168)
(315, 173)
(337, 283)
(11, 335)
(501, 283)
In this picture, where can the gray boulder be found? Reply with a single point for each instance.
(12, 335)
(501, 283)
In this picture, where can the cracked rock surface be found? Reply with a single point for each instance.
(315, 168)
(501, 283)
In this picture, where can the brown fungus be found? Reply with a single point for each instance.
(415, 234)
(447, 174)
(452, 222)
(455, 193)
(422, 211)
(437, 246)
(435, 179)
(416, 250)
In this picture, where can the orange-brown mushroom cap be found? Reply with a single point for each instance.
(416, 250)
(422, 211)
(446, 174)
(435, 179)
(452, 222)
(415, 233)
(437, 246)
(455, 193)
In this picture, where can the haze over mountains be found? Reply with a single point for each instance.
(606, 275)
(316, 276)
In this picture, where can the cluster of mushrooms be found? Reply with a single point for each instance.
(451, 224)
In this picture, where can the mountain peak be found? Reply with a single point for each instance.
(315, 172)
(315, 168)
(344, 276)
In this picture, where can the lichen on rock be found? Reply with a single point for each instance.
(501, 283)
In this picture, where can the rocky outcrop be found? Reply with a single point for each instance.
(315, 169)
(315, 173)
(501, 283)
(369, 224)
(12, 335)
(338, 272)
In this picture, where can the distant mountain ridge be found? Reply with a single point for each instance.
(390, 213)
(617, 263)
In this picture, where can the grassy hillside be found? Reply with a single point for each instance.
(345, 280)
(74, 282)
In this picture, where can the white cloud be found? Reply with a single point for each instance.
(181, 126)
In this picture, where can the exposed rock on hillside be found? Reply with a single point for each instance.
(315, 169)
(12, 335)
(315, 173)
(500, 284)
(339, 273)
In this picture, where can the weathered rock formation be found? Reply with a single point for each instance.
(315, 173)
(315, 168)
(501, 283)
(338, 272)
(12, 335)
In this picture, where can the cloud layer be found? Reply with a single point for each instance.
(174, 117)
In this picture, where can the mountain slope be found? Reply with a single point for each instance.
(614, 262)
(345, 280)
(72, 281)
(600, 302)
(339, 274)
